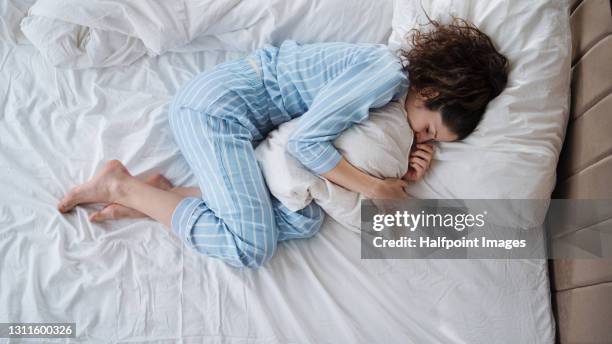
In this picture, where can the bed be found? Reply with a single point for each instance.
(133, 281)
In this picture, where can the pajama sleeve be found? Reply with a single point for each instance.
(346, 99)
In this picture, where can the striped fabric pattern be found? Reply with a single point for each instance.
(331, 86)
(219, 116)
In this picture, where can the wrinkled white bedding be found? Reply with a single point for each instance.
(76, 34)
(131, 280)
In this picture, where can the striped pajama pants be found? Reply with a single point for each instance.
(217, 119)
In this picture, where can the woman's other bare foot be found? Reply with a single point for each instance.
(116, 211)
(104, 187)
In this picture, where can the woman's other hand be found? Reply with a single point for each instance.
(419, 162)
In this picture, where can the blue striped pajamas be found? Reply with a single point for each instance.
(219, 117)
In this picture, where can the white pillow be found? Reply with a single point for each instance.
(514, 151)
(379, 146)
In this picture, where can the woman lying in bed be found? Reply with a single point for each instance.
(449, 74)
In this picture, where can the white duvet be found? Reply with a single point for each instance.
(77, 34)
(131, 280)
(84, 34)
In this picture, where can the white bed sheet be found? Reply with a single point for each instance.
(131, 280)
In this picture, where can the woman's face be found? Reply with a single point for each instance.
(426, 124)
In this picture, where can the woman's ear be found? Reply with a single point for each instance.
(427, 93)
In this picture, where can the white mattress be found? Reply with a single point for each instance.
(131, 280)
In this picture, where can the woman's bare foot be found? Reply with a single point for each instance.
(104, 187)
(116, 211)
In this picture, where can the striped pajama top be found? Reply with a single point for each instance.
(331, 86)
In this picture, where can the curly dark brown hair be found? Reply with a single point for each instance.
(461, 64)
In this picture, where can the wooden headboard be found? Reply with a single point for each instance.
(582, 289)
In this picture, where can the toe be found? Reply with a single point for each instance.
(107, 213)
(95, 217)
(68, 202)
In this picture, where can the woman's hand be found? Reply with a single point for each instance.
(388, 188)
(419, 162)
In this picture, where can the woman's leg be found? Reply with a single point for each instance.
(114, 211)
(235, 220)
(114, 184)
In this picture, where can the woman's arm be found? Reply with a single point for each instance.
(351, 178)
(342, 102)
(345, 100)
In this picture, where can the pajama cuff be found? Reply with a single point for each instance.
(182, 217)
(325, 162)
